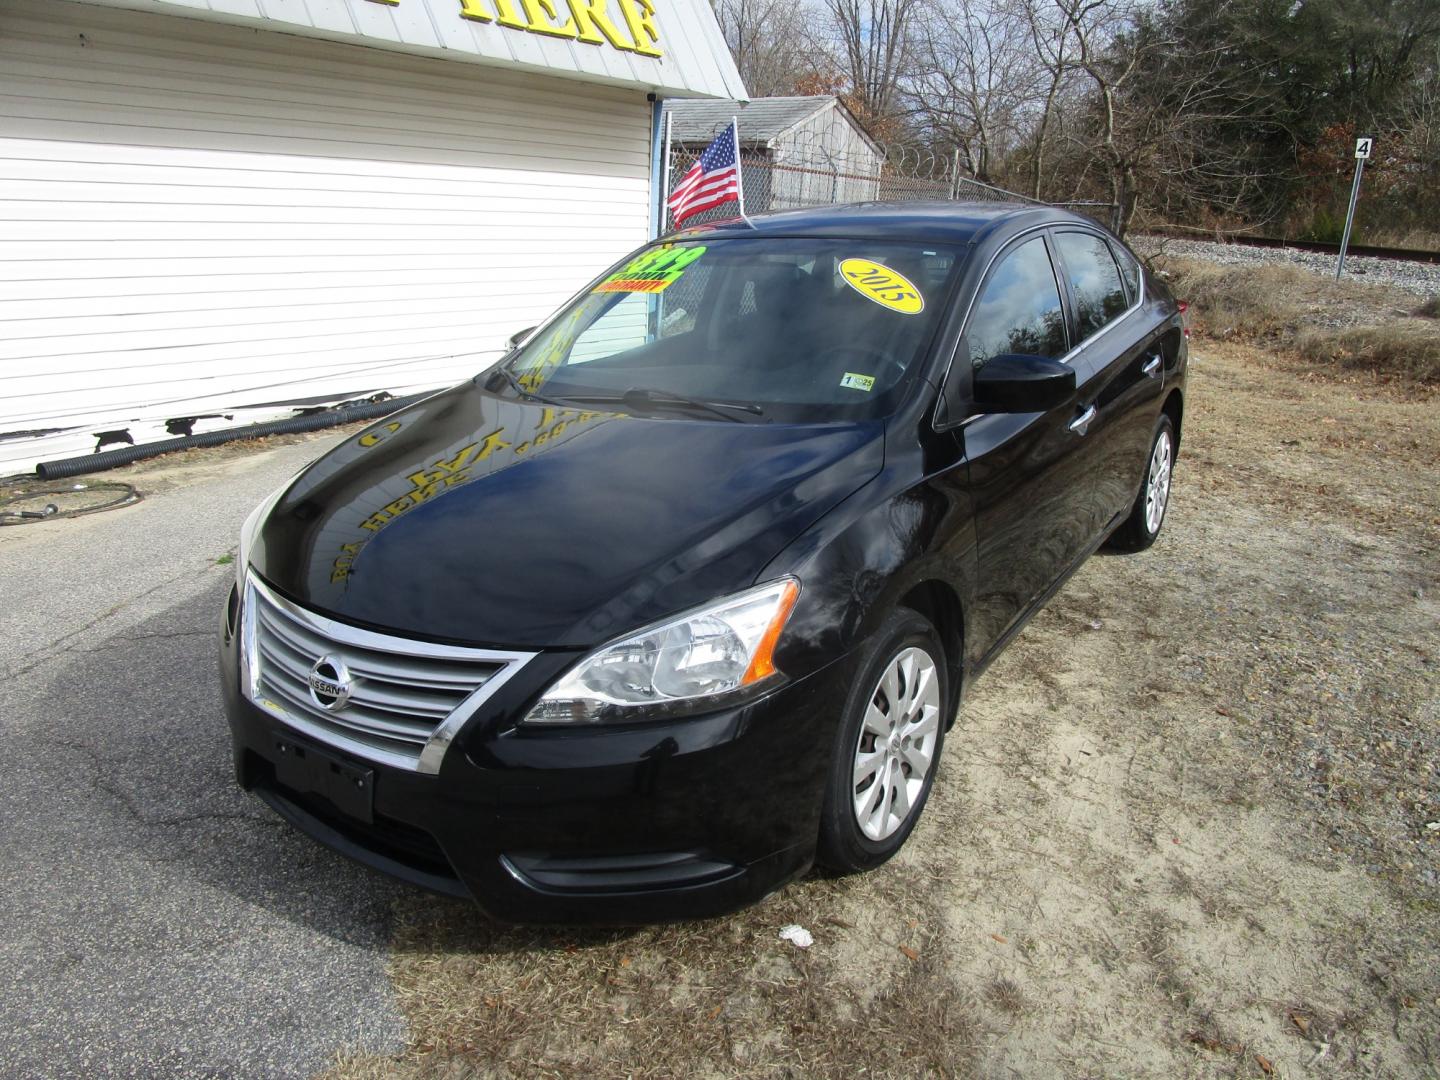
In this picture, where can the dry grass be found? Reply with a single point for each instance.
(1409, 348)
(719, 998)
(1415, 238)
(1260, 302)
(1430, 309)
(1332, 324)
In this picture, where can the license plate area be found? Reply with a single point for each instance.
(305, 768)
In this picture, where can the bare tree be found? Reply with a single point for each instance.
(1050, 37)
(875, 40)
(1173, 115)
(773, 43)
(974, 81)
(1098, 27)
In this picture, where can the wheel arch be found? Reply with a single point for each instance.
(939, 603)
(1174, 408)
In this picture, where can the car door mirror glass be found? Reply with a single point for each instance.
(1020, 383)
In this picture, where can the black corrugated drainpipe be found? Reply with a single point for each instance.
(110, 459)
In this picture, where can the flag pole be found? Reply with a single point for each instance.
(739, 175)
(665, 184)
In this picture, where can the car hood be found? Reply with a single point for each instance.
(492, 521)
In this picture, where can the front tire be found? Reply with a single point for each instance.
(1147, 516)
(887, 748)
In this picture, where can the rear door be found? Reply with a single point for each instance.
(1031, 475)
(1119, 359)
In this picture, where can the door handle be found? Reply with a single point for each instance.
(1081, 424)
(1152, 366)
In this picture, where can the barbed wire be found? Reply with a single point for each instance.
(836, 163)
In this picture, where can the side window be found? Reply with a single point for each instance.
(1018, 310)
(1129, 270)
(1094, 279)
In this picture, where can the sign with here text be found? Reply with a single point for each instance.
(628, 25)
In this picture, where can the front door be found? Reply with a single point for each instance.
(1031, 474)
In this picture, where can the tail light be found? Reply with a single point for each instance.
(1184, 306)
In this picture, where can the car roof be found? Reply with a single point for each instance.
(936, 221)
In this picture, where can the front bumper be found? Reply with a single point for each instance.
(671, 820)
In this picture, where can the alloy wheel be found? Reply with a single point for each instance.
(1157, 483)
(896, 748)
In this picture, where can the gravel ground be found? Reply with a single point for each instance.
(1419, 279)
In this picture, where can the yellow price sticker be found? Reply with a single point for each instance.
(884, 286)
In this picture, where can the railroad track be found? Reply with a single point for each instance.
(1369, 251)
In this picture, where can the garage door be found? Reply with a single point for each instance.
(199, 219)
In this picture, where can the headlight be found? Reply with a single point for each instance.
(675, 667)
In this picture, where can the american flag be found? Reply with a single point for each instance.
(712, 180)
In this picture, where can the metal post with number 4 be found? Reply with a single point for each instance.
(1363, 148)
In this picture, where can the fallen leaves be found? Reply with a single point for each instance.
(1214, 1045)
(1217, 1046)
(913, 954)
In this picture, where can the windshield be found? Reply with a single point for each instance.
(795, 329)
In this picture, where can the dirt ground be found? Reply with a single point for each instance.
(1188, 826)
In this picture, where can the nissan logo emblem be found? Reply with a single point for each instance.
(330, 683)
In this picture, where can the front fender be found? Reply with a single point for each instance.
(858, 562)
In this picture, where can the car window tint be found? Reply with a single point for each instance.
(1129, 270)
(1094, 279)
(805, 327)
(1019, 308)
(635, 320)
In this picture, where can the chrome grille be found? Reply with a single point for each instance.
(406, 699)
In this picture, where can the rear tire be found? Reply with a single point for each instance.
(1147, 516)
(887, 748)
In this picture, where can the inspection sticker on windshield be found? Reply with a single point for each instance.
(851, 381)
(652, 271)
(884, 286)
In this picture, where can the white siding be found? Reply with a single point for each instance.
(199, 218)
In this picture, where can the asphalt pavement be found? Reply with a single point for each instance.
(155, 921)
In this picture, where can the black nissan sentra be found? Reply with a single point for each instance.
(681, 596)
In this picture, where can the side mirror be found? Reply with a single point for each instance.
(513, 341)
(1016, 383)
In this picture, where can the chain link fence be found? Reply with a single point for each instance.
(836, 164)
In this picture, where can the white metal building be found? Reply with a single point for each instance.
(220, 209)
(800, 151)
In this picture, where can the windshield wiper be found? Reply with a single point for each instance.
(520, 388)
(638, 397)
